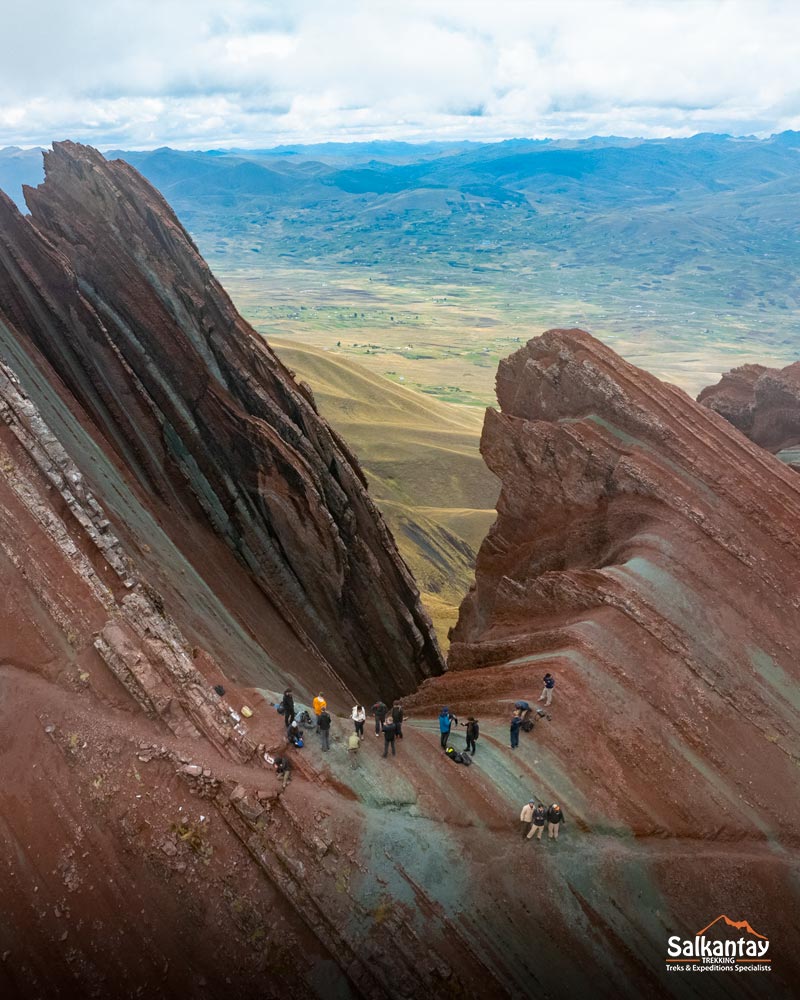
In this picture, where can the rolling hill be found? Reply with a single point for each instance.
(422, 462)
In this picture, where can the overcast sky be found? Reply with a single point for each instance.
(201, 74)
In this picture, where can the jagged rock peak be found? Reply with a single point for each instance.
(763, 403)
(103, 286)
(612, 481)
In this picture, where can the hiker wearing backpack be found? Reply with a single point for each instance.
(397, 718)
(379, 710)
(324, 725)
(389, 735)
(359, 717)
(473, 732)
(319, 707)
(516, 724)
(288, 707)
(526, 818)
(538, 818)
(554, 820)
(547, 691)
(446, 720)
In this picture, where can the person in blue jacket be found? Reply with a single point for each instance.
(446, 720)
(516, 723)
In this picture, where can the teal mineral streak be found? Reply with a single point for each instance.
(672, 599)
(633, 442)
(120, 501)
(789, 455)
(775, 676)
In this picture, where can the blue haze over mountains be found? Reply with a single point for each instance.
(692, 238)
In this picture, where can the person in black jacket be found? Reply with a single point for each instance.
(538, 819)
(473, 732)
(516, 724)
(325, 730)
(389, 734)
(397, 718)
(283, 768)
(379, 710)
(288, 707)
(554, 820)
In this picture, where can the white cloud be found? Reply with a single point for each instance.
(249, 72)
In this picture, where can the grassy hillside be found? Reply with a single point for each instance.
(424, 469)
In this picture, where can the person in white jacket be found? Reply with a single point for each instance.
(358, 716)
(526, 818)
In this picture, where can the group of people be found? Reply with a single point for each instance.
(389, 724)
(446, 722)
(533, 817)
(522, 718)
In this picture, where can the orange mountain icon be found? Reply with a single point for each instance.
(740, 925)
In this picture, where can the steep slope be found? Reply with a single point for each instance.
(422, 462)
(648, 555)
(764, 404)
(147, 851)
(207, 426)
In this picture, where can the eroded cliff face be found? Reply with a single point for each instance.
(167, 494)
(764, 404)
(115, 326)
(648, 555)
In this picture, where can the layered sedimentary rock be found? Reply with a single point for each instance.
(644, 551)
(648, 555)
(764, 404)
(111, 318)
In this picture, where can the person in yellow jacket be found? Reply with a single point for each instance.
(319, 707)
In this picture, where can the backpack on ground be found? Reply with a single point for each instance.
(280, 708)
(528, 725)
(457, 756)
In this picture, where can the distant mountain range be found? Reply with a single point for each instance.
(688, 242)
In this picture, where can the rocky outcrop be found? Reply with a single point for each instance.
(102, 288)
(67, 582)
(763, 403)
(648, 555)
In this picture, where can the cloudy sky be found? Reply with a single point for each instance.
(201, 74)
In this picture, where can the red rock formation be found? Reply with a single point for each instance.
(648, 555)
(165, 490)
(103, 286)
(763, 403)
